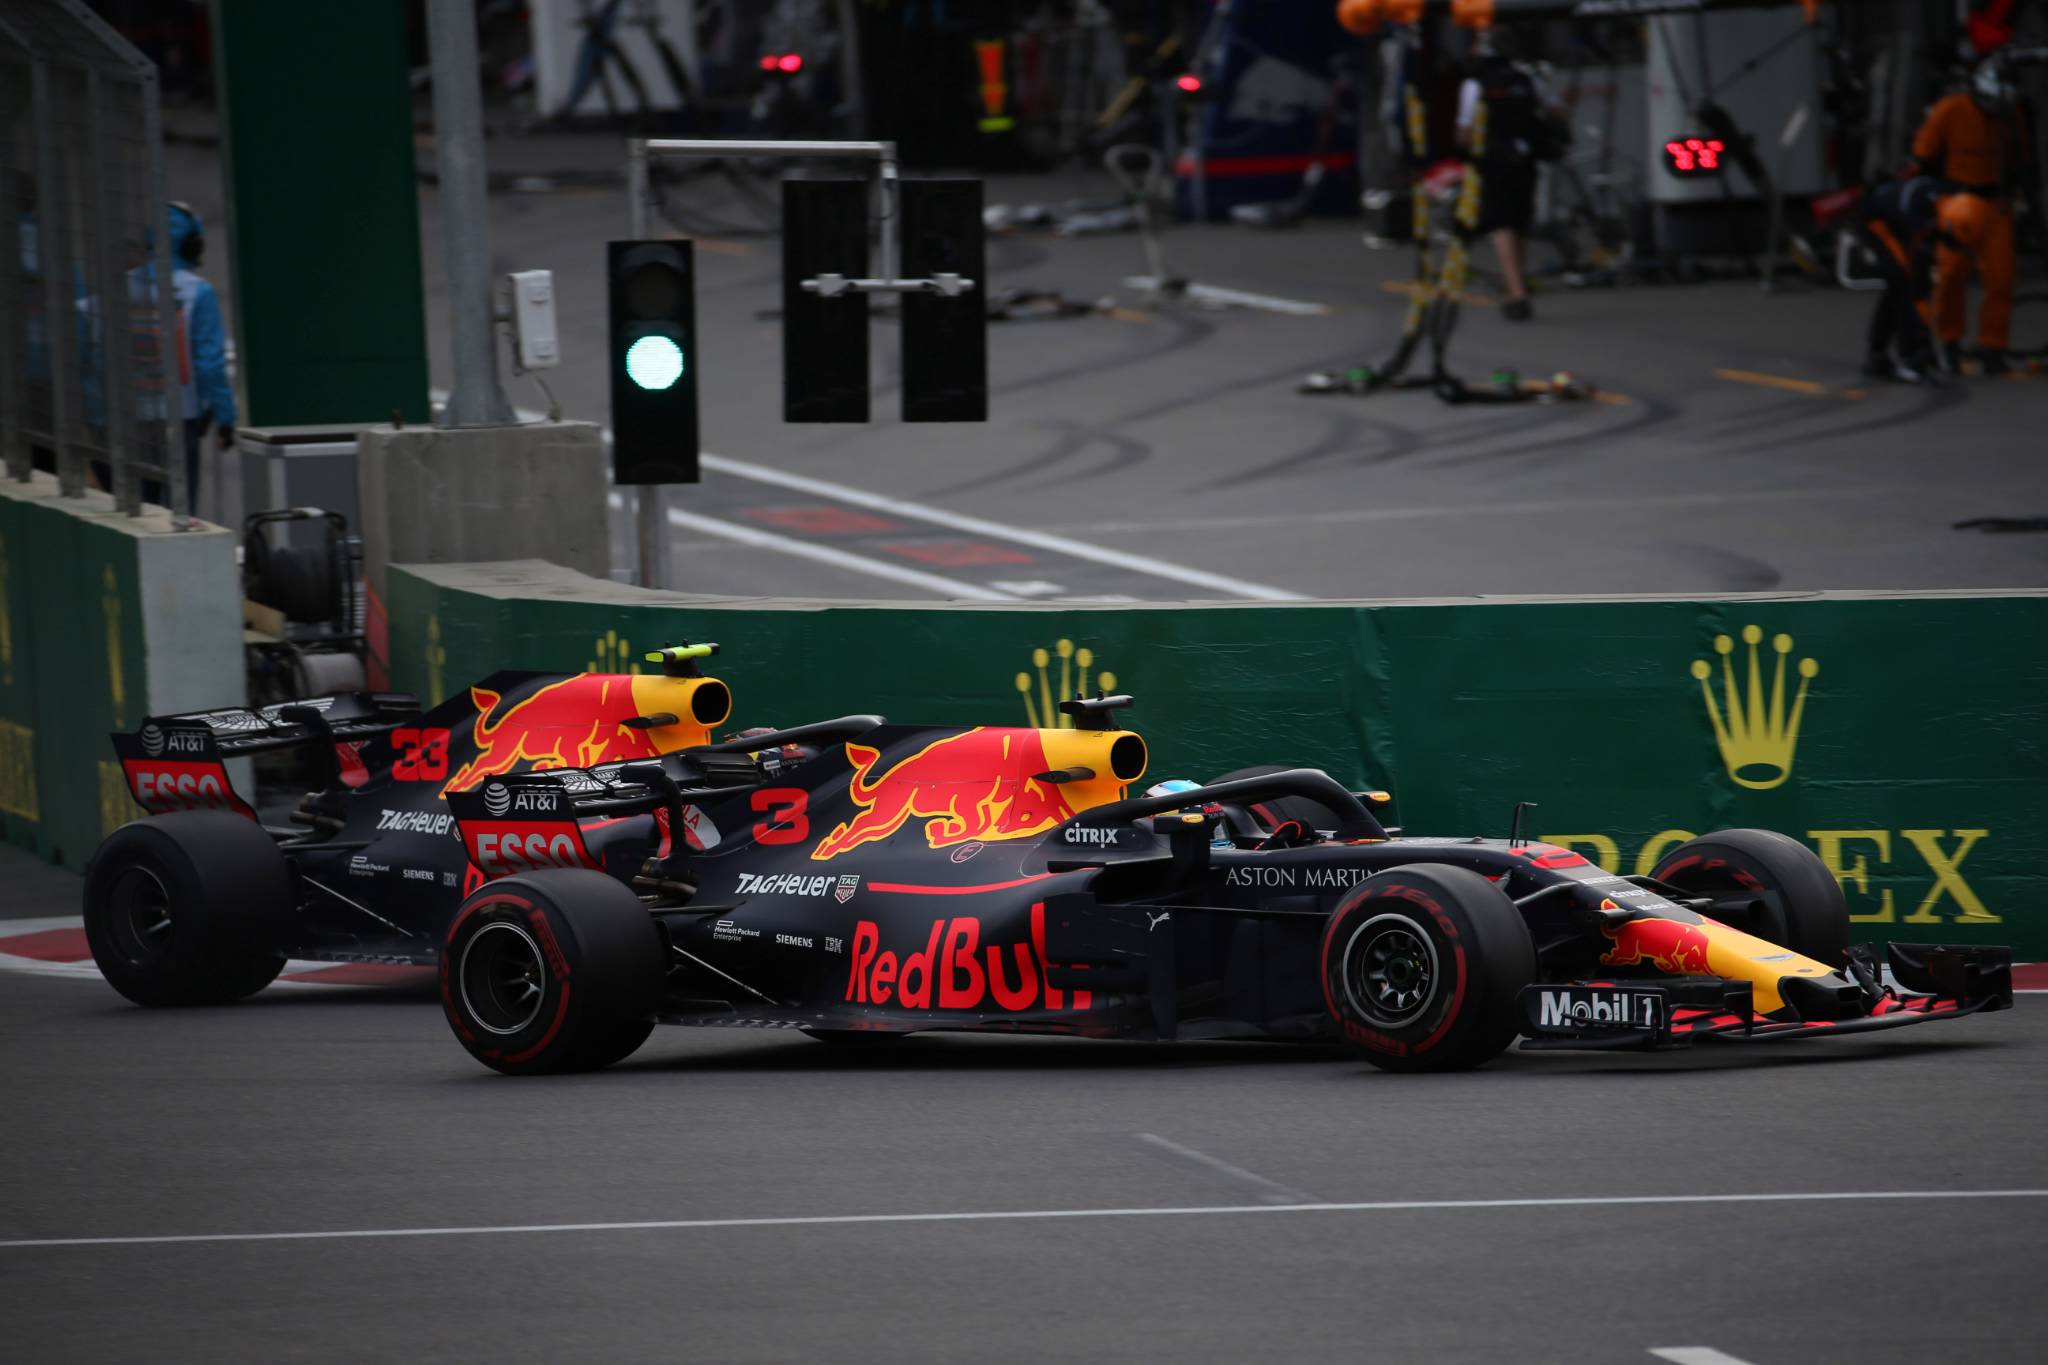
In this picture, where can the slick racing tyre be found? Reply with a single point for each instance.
(552, 971)
(1772, 886)
(188, 909)
(1422, 966)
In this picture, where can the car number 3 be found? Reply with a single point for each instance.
(787, 822)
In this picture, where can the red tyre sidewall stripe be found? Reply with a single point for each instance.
(558, 967)
(1399, 891)
(1449, 931)
(449, 1006)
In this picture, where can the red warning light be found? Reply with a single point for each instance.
(768, 63)
(1695, 155)
(791, 62)
(1189, 82)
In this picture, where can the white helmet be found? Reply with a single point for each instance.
(1989, 87)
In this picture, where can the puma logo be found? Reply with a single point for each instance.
(1157, 920)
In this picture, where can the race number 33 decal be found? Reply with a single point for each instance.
(422, 755)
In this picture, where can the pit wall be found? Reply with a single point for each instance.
(104, 619)
(1918, 770)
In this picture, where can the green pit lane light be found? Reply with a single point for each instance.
(653, 361)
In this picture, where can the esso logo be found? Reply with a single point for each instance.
(502, 854)
(174, 788)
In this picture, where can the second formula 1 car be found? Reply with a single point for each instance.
(200, 902)
(1003, 879)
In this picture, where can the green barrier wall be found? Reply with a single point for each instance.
(104, 618)
(1905, 740)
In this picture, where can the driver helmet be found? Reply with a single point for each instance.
(1174, 786)
(778, 758)
(1989, 88)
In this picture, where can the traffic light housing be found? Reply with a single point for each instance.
(945, 338)
(653, 360)
(824, 338)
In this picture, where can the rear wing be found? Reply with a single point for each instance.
(242, 730)
(178, 762)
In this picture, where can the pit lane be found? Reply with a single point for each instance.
(322, 1111)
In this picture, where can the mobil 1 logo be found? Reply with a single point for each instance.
(1575, 1011)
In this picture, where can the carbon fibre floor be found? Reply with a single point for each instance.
(323, 1111)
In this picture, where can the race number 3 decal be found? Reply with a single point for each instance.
(422, 755)
(787, 822)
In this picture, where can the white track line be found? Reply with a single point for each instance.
(1043, 540)
(825, 554)
(1270, 1191)
(939, 516)
(1694, 1355)
(1028, 1215)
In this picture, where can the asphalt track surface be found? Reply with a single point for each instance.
(1737, 448)
(819, 1203)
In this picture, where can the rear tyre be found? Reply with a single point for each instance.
(1789, 896)
(552, 971)
(1422, 968)
(190, 908)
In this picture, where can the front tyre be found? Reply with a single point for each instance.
(189, 908)
(1422, 968)
(552, 971)
(1774, 887)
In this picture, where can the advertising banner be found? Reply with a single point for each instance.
(1904, 738)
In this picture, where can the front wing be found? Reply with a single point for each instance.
(1932, 982)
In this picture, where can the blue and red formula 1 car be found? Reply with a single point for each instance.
(1004, 879)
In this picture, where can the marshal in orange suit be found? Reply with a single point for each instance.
(1975, 142)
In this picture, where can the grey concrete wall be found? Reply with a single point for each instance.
(432, 495)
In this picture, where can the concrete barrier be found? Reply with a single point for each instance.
(104, 619)
(1904, 737)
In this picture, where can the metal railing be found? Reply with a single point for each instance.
(89, 341)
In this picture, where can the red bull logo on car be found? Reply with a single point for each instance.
(575, 723)
(1669, 945)
(980, 785)
(955, 970)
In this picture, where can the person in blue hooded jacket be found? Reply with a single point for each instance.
(202, 344)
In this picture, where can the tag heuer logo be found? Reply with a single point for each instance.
(152, 739)
(497, 798)
(1752, 729)
(848, 884)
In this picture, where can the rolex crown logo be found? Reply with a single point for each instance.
(1755, 735)
(612, 654)
(1041, 702)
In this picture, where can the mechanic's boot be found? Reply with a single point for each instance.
(1994, 362)
(1951, 354)
(1517, 310)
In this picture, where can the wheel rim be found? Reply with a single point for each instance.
(502, 977)
(1390, 969)
(139, 919)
